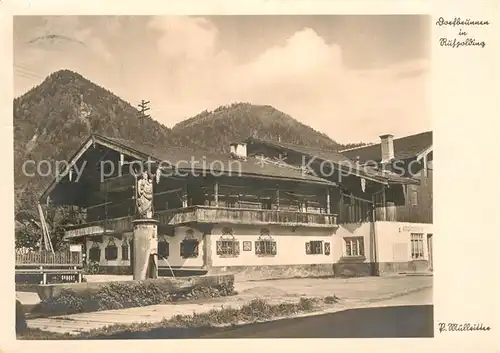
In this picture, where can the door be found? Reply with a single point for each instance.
(430, 250)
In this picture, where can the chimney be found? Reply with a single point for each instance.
(239, 150)
(387, 148)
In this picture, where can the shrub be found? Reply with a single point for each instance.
(307, 304)
(121, 295)
(66, 302)
(331, 299)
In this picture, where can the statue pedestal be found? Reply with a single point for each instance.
(145, 245)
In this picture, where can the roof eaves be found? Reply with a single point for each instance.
(74, 158)
(289, 148)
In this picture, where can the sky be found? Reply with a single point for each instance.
(351, 77)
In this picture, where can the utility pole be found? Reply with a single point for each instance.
(143, 108)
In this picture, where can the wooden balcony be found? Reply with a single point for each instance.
(210, 214)
(109, 226)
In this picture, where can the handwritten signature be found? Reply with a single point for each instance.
(451, 326)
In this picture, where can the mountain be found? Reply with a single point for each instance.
(52, 120)
(215, 130)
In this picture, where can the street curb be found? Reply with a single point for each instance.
(354, 305)
(399, 294)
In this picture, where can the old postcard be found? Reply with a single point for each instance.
(184, 172)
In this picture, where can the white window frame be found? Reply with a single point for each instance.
(417, 252)
(354, 242)
(227, 245)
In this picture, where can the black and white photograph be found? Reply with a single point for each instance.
(228, 176)
(147, 149)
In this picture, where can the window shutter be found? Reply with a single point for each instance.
(182, 249)
(218, 245)
(195, 250)
(95, 254)
(257, 247)
(124, 252)
(111, 252)
(348, 249)
(361, 247)
(163, 248)
(236, 248)
(273, 248)
(355, 247)
(327, 248)
(308, 248)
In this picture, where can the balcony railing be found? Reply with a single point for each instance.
(111, 225)
(208, 214)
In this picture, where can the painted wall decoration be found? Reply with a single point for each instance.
(247, 246)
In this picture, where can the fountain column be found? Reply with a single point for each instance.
(145, 248)
(145, 232)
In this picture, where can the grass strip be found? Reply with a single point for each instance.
(256, 310)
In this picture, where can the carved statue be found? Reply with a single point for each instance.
(145, 196)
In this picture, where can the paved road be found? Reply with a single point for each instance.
(397, 321)
(398, 317)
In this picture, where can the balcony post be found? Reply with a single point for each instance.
(184, 197)
(277, 197)
(328, 201)
(216, 193)
(341, 206)
(425, 166)
(384, 203)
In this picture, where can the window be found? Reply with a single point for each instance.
(354, 246)
(189, 248)
(265, 245)
(95, 252)
(111, 250)
(125, 250)
(227, 245)
(314, 247)
(163, 248)
(417, 246)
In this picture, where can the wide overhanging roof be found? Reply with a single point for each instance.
(182, 159)
(341, 161)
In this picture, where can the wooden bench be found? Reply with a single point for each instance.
(48, 266)
(44, 271)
